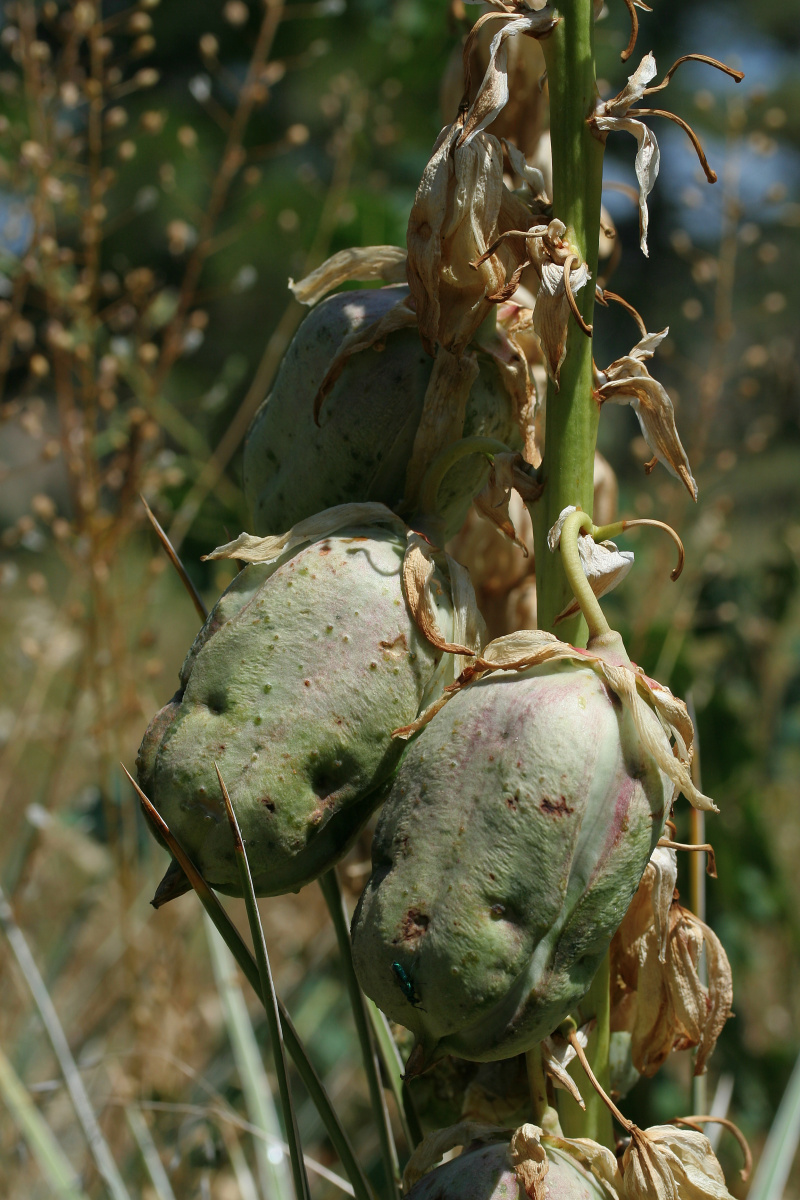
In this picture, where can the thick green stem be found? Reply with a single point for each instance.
(572, 412)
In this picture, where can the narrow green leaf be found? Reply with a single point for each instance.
(152, 1160)
(232, 938)
(98, 1146)
(341, 924)
(393, 1070)
(270, 999)
(53, 1162)
(772, 1172)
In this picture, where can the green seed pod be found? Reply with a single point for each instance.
(504, 1166)
(293, 688)
(514, 837)
(361, 448)
(515, 834)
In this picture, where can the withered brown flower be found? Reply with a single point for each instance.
(658, 995)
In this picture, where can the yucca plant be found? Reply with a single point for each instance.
(518, 956)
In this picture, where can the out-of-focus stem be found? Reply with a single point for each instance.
(572, 412)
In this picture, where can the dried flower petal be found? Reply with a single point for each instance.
(530, 1161)
(453, 220)
(667, 1163)
(493, 502)
(514, 369)
(658, 995)
(418, 577)
(603, 564)
(442, 419)
(249, 548)
(360, 262)
(557, 1054)
(435, 1145)
(627, 381)
(492, 95)
(611, 115)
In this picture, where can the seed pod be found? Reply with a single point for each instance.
(514, 836)
(293, 687)
(525, 1166)
(362, 446)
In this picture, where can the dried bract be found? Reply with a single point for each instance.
(628, 381)
(657, 993)
(667, 1163)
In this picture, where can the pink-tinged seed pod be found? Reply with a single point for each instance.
(506, 855)
(516, 832)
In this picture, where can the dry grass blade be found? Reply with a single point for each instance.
(270, 999)
(53, 1162)
(176, 562)
(232, 938)
(152, 1160)
(271, 1157)
(98, 1145)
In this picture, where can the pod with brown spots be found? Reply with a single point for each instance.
(515, 834)
(293, 687)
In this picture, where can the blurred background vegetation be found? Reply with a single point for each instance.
(164, 168)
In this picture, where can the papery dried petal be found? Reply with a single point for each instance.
(603, 564)
(492, 95)
(557, 1054)
(452, 222)
(530, 174)
(442, 420)
(434, 1145)
(663, 869)
(647, 163)
(551, 315)
(360, 262)
(530, 1161)
(512, 364)
(629, 382)
(251, 549)
(667, 1163)
(493, 502)
(597, 1159)
(418, 575)
(612, 116)
(634, 89)
(712, 1005)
